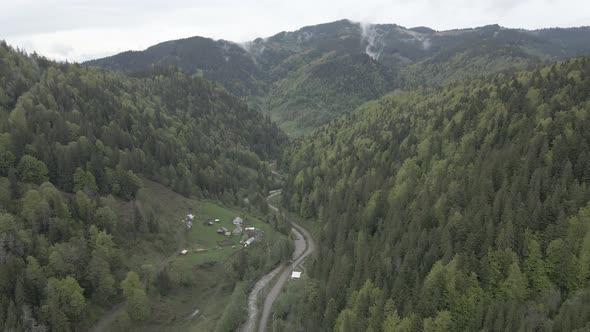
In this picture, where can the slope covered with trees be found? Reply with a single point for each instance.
(307, 77)
(179, 130)
(75, 143)
(461, 208)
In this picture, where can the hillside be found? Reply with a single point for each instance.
(97, 169)
(308, 77)
(462, 208)
(182, 131)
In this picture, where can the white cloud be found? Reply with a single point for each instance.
(79, 30)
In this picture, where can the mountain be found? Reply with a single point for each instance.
(93, 164)
(308, 77)
(461, 208)
(167, 126)
(220, 60)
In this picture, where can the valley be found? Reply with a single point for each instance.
(343, 177)
(308, 77)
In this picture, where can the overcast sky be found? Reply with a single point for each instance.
(81, 30)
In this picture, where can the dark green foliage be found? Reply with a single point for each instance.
(235, 311)
(219, 60)
(124, 183)
(308, 77)
(65, 303)
(70, 137)
(88, 129)
(32, 170)
(105, 219)
(84, 181)
(137, 302)
(6, 162)
(327, 87)
(468, 206)
(163, 282)
(18, 74)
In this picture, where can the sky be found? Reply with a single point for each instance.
(76, 30)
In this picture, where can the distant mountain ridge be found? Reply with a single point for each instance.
(291, 74)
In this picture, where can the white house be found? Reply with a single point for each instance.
(183, 252)
(295, 275)
(249, 241)
(238, 221)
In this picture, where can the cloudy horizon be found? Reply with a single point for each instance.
(81, 30)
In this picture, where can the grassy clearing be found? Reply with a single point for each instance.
(168, 207)
(171, 208)
(292, 129)
(210, 296)
(218, 247)
(206, 278)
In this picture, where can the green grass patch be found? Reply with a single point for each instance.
(209, 295)
(205, 279)
(218, 247)
(168, 207)
(291, 127)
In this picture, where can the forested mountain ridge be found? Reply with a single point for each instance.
(307, 77)
(76, 146)
(461, 208)
(219, 60)
(180, 130)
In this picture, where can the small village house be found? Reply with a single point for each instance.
(249, 242)
(237, 230)
(189, 221)
(238, 221)
(251, 231)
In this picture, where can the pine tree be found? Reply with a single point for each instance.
(534, 266)
(330, 315)
(515, 285)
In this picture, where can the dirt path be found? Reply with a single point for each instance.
(304, 246)
(253, 298)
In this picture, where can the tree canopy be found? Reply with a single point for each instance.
(467, 206)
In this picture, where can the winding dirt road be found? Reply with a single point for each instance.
(304, 246)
